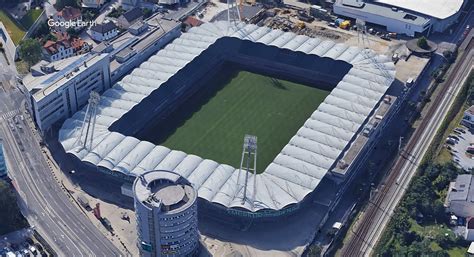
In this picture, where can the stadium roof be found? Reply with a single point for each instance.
(440, 9)
(294, 173)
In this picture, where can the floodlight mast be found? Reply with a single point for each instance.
(88, 124)
(249, 152)
(362, 36)
(230, 5)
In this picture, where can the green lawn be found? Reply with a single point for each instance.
(30, 17)
(213, 124)
(14, 29)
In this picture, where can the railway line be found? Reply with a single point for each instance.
(376, 213)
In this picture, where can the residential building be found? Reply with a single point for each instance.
(166, 208)
(68, 15)
(95, 4)
(468, 118)
(130, 17)
(53, 51)
(59, 89)
(460, 197)
(104, 31)
(64, 48)
(411, 18)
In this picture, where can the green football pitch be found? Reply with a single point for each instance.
(212, 124)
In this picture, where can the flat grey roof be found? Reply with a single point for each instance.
(48, 83)
(463, 189)
(440, 9)
(384, 11)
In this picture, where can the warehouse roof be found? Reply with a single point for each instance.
(384, 11)
(440, 9)
(296, 170)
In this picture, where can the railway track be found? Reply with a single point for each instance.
(354, 247)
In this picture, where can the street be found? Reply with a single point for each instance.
(43, 202)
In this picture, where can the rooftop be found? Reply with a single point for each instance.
(128, 42)
(104, 27)
(440, 9)
(69, 13)
(133, 14)
(43, 83)
(350, 155)
(165, 190)
(380, 10)
(470, 110)
(463, 189)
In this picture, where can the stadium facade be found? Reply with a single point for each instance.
(358, 80)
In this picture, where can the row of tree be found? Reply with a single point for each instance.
(10, 216)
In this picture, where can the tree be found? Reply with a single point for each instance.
(147, 13)
(314, 251)
(423, 43)
(72, 32)
(9, 213)
(30, 51)
(60, 4)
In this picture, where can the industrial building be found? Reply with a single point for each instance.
(166, 208)
(351, 116)
(411, 18)
(59, 89)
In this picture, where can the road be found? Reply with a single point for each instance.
(43, 201)
(369, 227)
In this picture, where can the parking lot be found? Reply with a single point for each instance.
(459, 141)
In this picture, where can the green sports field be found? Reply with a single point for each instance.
(213, 123)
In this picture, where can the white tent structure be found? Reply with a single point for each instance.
(294, 173)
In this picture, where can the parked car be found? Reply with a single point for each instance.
(450, 141)
(454, 137)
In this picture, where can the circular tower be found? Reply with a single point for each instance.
(166, 208)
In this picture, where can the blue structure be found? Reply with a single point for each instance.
(3, 165)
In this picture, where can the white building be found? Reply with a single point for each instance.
(105, 31)
(166, 208)
(468, 118)
(61, 88)
(403, 16)
(460, 198)
(54, 51)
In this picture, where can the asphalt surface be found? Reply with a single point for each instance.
(43, 201)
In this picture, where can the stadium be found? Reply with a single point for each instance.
(338, 89)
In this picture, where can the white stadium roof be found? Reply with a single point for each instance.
(440, 9)
(292, 175)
